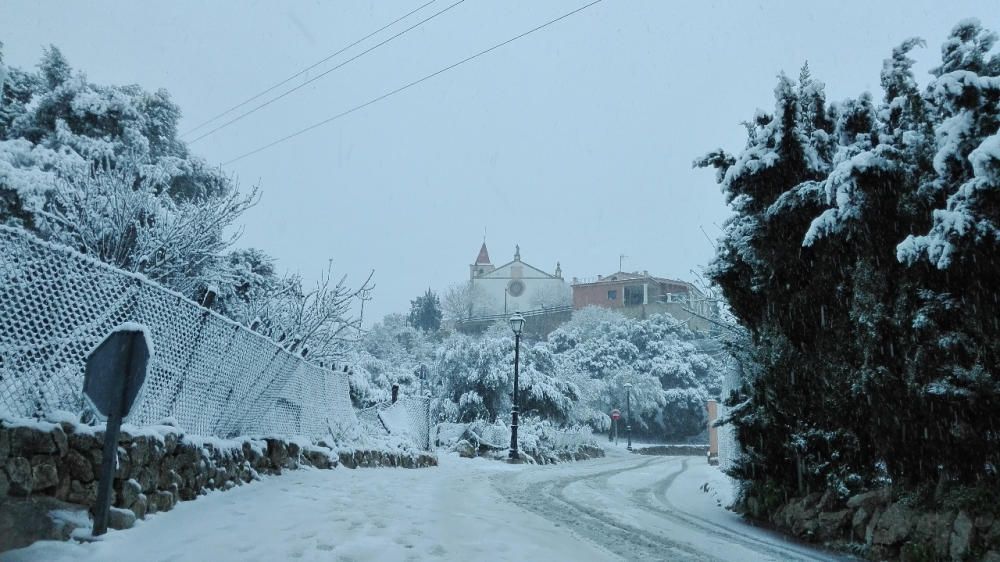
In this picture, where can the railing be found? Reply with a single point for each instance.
(526, 314)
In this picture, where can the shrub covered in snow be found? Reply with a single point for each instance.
(539, 441)
(573, 378)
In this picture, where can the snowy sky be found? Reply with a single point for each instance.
(575, 142)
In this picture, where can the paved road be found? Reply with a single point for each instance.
(647, 508)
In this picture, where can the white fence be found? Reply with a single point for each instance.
(211, 375)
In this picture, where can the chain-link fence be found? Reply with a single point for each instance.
(211, 375)
(408, 417)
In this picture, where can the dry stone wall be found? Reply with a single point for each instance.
(879, 527)
(157, 466)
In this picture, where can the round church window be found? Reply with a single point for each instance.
(515, 288)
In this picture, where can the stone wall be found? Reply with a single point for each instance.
(157, 466)
(875, 525)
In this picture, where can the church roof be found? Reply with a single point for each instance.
(528, 271)
(484, 256)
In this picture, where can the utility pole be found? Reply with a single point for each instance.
(628, 414)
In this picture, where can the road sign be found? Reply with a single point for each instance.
(615, 414)
(115, 372)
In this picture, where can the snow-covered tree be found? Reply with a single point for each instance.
(477, 375)
(858, 258)
(394, 352)
(316, 322)
(125, 219)
(425, 312)
(600, 351)
(102, 170)
(460, 301)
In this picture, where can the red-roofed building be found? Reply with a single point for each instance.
(640, 295)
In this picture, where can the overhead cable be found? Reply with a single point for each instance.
(306, 69)
(408, 85)
(321, 75)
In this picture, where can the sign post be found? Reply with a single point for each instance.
(115, 372)
(615, 416)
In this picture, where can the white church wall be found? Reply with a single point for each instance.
(536, 292)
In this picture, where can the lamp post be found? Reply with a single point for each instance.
(516, 324)
(628, 414)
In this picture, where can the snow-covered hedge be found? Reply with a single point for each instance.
(539, 441)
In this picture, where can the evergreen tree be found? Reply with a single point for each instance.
(860, 259)
(425, 312)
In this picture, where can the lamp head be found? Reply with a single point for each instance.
(517, 323)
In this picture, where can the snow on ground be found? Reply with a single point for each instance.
(624, 506)
(445, 513)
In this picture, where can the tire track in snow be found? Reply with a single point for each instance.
(658, 491)
(548, 499)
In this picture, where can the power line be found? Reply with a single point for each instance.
(307, 69)
(409, 85)
(317, 77)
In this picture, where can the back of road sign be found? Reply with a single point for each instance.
(115, 372)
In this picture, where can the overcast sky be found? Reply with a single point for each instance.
(575, 142)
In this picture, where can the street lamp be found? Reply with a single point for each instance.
(628, 414)
(516, 324)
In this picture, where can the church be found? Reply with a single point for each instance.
(514, 286)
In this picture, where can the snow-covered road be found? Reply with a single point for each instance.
(650, 508)
(623, 506)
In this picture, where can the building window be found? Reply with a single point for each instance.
(612, 295)
(633, 295)
(515, 288)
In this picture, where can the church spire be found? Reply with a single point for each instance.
(484, 255)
